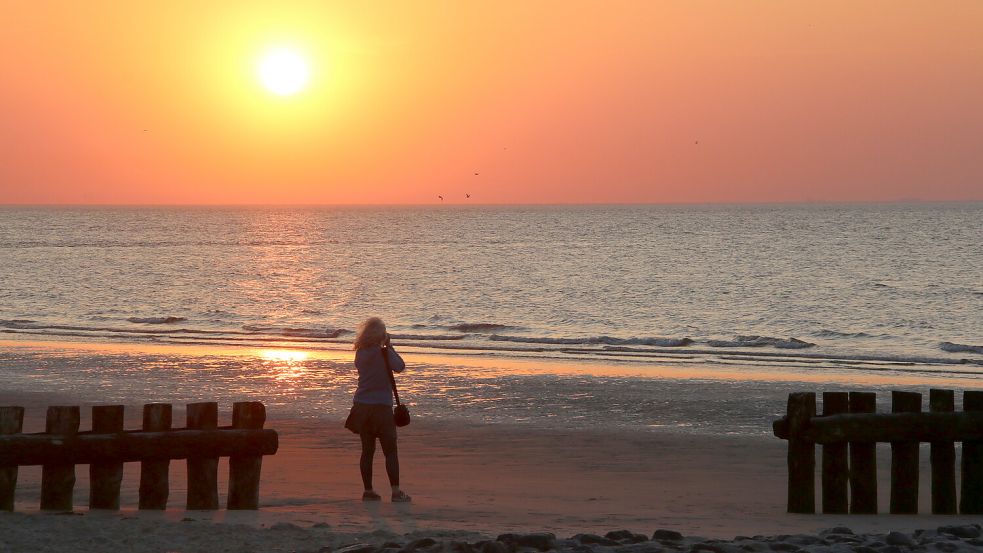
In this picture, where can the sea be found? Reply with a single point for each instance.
(793, 289)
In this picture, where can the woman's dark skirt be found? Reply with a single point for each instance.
(374, 420)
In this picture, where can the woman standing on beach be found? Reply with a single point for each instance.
(371, 416)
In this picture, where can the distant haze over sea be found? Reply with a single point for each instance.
(875, 284)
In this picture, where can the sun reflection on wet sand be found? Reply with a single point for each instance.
(283, 355)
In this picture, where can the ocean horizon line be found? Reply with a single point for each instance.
(456, 204)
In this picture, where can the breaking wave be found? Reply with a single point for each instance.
(297, 332)
(827, 333)
(479, 327)
(759, 341)
(960, 348)
(156, 320)
(595, 340)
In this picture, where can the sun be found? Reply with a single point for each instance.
(283, 71)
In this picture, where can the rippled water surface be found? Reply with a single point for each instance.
(796, 285)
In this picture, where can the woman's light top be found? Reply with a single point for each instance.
(373, 379)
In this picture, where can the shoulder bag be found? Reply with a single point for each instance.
(401, 414)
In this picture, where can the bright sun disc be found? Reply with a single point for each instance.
(283, 72)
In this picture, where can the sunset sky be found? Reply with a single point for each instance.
(548, 102)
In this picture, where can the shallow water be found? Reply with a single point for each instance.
(819, 285)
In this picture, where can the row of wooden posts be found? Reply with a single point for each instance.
(107, 446)
(849, 430)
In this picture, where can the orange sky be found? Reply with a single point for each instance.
(550, 102)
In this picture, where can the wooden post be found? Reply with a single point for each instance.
(801, 454)
(244, 470)
(863, 461)
(153, 474)
(203, 471)
(904, 459)
(58, 479)
(971, 500)
(11, 422)
(105, 478)
(835, 467)
(943, 459)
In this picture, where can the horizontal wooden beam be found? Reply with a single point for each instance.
(888, 427)
(85, 448)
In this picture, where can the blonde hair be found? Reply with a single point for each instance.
(372, 332)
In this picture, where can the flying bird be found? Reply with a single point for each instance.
(441, 198)
(467, 195)
(476, 174)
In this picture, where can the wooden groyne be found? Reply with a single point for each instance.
(107, 446)
(848, 431)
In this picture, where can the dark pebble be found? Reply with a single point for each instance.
(543, 541)
(670, 535)
(459, 547)
(897, 538)
(961, 531)
(419, 544)
(495, 547)
(804, 539)
(594, 539)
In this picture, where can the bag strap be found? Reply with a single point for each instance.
(389, 369)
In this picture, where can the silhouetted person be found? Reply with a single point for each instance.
(371, 416)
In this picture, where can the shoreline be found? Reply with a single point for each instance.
(500, 363)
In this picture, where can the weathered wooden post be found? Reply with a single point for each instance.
(943, 458)
(58, 479)
(153, 474)
(904, 459)
(971, 500)
(863, 461)
(244, 471)
(801, 454)
(11, 422)
(835, 467)
(105, 477)
(203, 471)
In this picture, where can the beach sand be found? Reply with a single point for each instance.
(467, 482)
(471, 481)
